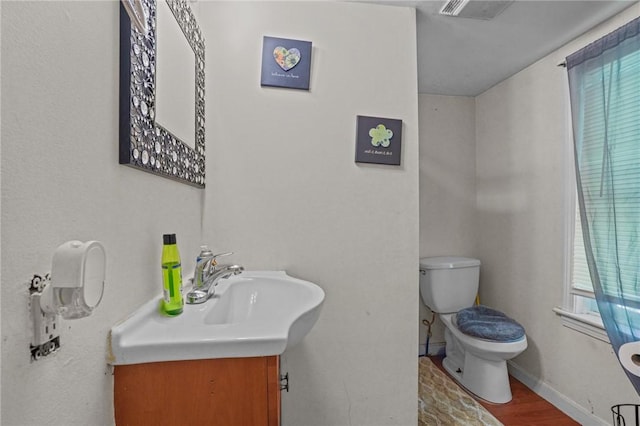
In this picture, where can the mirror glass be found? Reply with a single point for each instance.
(175, 77)
(162, 92)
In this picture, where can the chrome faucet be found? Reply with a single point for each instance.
(207, 275)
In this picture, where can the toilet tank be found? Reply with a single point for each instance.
(448, 283)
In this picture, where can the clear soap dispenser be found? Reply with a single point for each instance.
(172, 303)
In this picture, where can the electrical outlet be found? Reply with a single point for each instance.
(46, 337)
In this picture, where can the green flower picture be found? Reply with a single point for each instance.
(378, 140)
(380, 135)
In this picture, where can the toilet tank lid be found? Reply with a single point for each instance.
(448, 262)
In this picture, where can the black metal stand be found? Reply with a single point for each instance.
(626, 414)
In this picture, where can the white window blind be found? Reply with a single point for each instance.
(580, 279)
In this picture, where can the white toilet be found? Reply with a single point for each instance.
(448, 285)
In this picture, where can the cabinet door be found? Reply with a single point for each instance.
(225, 392)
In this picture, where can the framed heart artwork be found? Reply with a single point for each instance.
(286, 63)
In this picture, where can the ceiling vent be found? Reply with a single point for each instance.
(474, 9)
(453, 7)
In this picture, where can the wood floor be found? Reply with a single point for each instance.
(525, 409)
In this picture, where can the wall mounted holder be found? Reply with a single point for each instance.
(72, 290)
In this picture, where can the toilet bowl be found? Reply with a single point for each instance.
(448, 285)
(480, 365)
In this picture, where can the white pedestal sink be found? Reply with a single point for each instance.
(256, 313)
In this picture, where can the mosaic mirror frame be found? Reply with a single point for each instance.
(145, 144)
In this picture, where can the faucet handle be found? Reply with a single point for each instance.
(214, 262)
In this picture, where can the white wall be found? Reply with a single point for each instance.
(520, 136)
(60, 181)
(285, 193)
(447, 186)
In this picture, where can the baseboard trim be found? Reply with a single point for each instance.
(564, 404)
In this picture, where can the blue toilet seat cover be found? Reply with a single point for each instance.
(486, 323)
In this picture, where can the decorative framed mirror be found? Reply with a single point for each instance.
(162, 92)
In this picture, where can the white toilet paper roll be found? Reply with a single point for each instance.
(629, 355)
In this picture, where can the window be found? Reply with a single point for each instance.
(580, 280)
(580, 287)
(579, 310)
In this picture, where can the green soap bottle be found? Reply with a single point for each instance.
(172, 302)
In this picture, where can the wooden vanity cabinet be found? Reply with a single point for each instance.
(224, 392)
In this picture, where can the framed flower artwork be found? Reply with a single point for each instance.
(378, 140)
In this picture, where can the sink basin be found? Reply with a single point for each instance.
(256, 313)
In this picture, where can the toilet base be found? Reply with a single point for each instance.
(488, 380)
